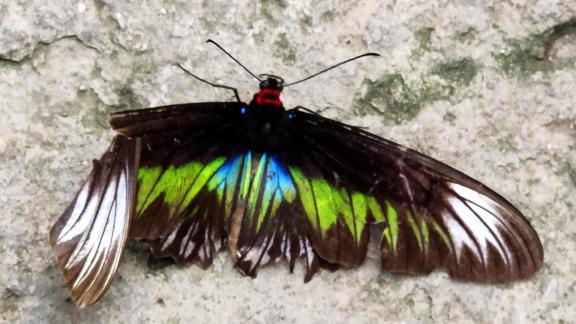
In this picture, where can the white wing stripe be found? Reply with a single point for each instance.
(89, 238)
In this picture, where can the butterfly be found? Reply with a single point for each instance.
(270, 185)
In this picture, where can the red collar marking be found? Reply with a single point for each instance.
(269, 97)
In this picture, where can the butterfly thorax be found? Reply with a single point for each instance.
(270, 89)
(266, 115)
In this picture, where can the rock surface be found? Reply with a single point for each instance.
(489, 89)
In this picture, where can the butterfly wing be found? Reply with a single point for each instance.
(183, 146)
(89, 237)
(247, 202)
(316, 198)
(429, 215)
(200, 186)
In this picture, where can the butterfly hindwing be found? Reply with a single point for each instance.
(336, 215)
(197, 190)
(89, 237)
(270, 225)
(430, 215)
(246, 200)
(197, 238)
(185, 215)
(185, 148)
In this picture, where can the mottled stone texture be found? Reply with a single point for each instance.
(489, 89)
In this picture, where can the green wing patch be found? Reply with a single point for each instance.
(263, 184)
(176, 186)
(338, 218)
(325, 204)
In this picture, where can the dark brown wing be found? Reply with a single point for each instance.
(175, 120)
(89, 237)
(200, 186)
(267, 226)
(244, 201)
(430, 215)
(182, 147)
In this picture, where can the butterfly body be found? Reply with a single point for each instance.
(264, 119)
(272, 184)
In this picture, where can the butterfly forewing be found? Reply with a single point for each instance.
(164, 122)
(89, 238)
(431, 215)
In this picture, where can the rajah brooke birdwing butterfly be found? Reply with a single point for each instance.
(274, 184)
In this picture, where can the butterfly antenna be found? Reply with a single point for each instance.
(232, 57)
(332, 67)
(208, 82)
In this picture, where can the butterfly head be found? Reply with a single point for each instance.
(270, 88)
(271, 82)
